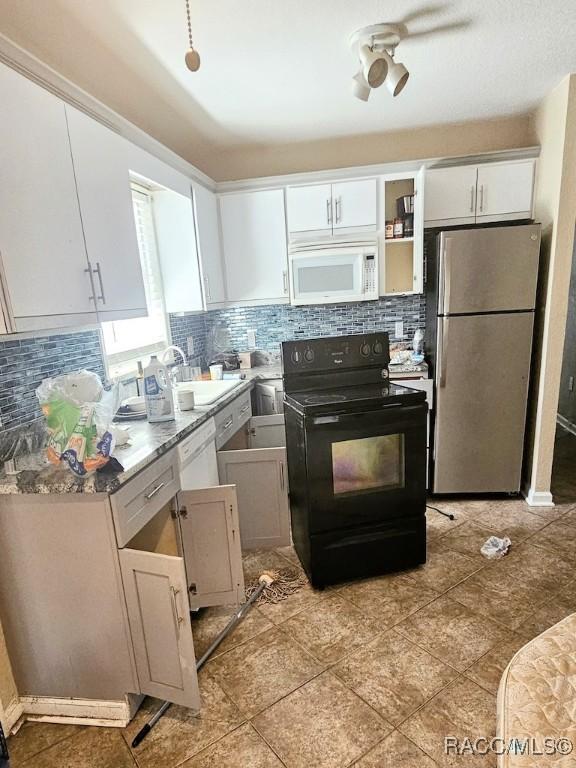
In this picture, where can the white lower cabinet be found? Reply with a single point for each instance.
(155, 588)
(185, 554)
(269, 397)
(211, 546)
(254, 460)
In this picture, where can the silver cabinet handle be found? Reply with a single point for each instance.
(282, 475)
(481, 197)
(243, 410)
(472, 190)
(329, 211)
(178, 620)
(154, 491)
(207, 287)
(285, 280)
(98, 271)
(227, 424)
(338, 210)
(89, 272)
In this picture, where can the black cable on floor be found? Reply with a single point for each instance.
(446, 514)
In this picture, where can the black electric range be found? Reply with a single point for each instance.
(356, 450)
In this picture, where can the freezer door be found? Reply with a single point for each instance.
(481, 393)
(492, 269)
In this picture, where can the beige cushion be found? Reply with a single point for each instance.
(537, 697)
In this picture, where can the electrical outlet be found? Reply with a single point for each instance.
(190, 346)
(251, 336)
(399, 329)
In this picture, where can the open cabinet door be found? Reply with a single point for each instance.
(211, 546)
(155, 589)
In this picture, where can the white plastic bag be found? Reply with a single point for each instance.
(79, 412)
(493, 548)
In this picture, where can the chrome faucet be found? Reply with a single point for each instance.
(177, 372)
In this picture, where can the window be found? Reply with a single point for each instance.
(127, 341)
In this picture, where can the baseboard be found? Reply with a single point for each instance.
(565, 424)
(77, 711)
(537, 498)
(11, 715)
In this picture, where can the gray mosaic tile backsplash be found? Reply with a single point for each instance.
(184, 326)
(24, 363)
(276, 323)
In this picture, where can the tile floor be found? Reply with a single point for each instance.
(370, 674)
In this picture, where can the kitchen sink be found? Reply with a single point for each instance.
(207, 392)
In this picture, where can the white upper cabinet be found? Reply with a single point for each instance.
(354, 204)
(505, 190)
(254, 244)
(177, 250)
(100, 160)
(310, 209)
(451, 194)
(209, 245)
(41, 240)
(479, 193)
(320, 210)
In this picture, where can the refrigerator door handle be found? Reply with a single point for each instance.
(445, 271)
(443, 353)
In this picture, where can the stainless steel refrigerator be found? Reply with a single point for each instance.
(481, 300)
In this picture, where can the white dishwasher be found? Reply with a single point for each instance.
(197, 458)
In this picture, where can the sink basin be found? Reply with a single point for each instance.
(207, 392)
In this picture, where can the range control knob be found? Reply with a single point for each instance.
(309, 355)
(296, 357)
(365, 350)
(378, 348)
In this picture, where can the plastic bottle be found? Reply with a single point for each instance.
(158, 393)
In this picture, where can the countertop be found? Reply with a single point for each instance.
(147, 442)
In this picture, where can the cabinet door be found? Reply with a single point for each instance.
(310, 209)
(254, 242)
(41, 241)
(259, 475)
(211, 546)
(450, 194)
(265, 399)
(100, 160)
(177, 250)
(354, 204)
(505, 190)
(267, 431)
(155, 588)
(209, 245)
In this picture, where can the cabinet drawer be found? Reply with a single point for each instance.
(232, 417)
(137, 502)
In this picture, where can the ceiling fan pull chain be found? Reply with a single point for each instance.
(192, 57)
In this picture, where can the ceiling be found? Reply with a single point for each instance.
(278, 71)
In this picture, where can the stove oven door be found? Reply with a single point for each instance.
(366, 468)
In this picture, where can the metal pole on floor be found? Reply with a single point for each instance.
(265, 581)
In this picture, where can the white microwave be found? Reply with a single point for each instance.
(331, 275)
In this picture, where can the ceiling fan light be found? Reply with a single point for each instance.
(397, 78)
(360, 87)
(374, 66)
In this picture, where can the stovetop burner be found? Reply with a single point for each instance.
(322, 399)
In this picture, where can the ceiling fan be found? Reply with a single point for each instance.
(376, 45)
